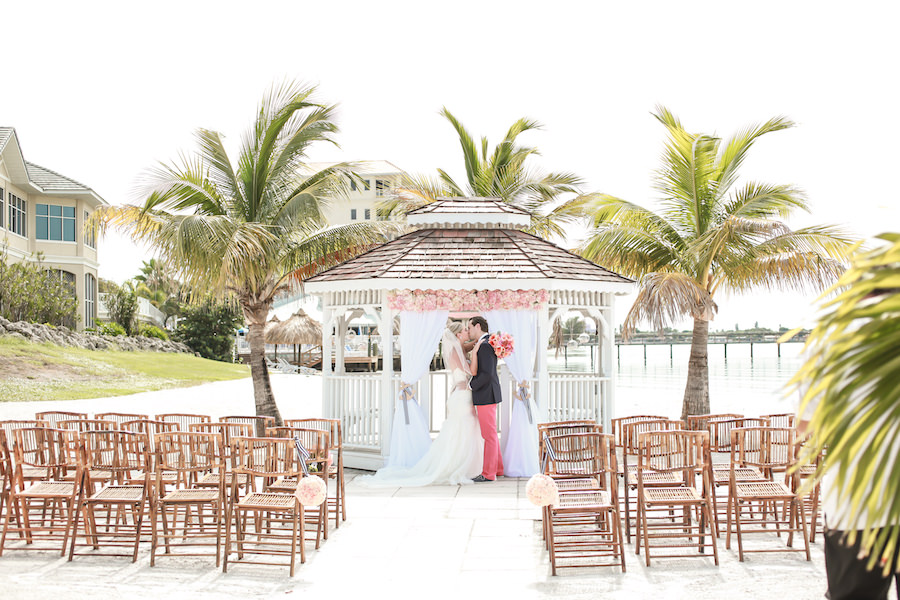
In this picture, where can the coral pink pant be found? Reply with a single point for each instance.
(493, 462)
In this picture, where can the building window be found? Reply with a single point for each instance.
(368, 214)
(382, 187)
(90, 295)
(352, 214)
(54, 223)
(2, 205)
(354, 187)
(17, 215)
(90, 232)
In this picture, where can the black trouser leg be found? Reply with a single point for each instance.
(848, 578)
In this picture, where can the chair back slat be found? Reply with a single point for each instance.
(82, 425)
(120, 417)
(581, 455)
(51, 417)
(258, 422)
(266, 457)
(189, 452)
(700, 422)
(618, 425)
(184, 420)
(720, 430)
(766, 448)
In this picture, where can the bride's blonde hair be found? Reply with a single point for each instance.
(454, 327)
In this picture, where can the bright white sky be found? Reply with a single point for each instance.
(100, 91)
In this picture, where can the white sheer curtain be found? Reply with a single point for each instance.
(520, 455)
(420, 333)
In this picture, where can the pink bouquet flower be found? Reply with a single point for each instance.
(502, 344)
(311, 491)
(541, 490)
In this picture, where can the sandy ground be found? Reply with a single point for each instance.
(437, 542)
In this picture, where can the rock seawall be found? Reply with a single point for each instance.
(63, 336)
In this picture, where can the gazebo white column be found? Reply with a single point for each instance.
(386, 327)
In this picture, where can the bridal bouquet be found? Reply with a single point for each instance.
(502, 343)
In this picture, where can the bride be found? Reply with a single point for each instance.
(456, 455)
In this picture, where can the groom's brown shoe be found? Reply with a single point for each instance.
(480, 479)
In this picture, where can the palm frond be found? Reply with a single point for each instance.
(853, 374)
(736, 148)
(665, 298)
(470, 151)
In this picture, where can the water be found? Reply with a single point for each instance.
(739, 384)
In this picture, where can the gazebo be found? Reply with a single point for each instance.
(466, 256)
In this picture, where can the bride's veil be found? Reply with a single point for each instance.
(452, 350)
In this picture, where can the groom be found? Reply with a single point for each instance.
(486, 396)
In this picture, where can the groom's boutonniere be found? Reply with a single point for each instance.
(502, 343)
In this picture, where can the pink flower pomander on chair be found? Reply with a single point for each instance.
(541, 490)
(311, 491)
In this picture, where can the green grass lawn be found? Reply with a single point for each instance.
(31, 371)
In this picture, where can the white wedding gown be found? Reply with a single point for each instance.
(455, 457)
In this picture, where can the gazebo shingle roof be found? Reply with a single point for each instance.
(460, 254)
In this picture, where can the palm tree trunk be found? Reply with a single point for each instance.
(696, 391)
(263, 397)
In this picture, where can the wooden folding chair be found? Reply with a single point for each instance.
(317, 444)
(631, 430)
(150, 428)
(9, 427)
(50, 450)
(337, 503)
(123, 501)
(191, 455)
(584, 529)
(229, 433)
(753, 506)
(265, 523)
(684, 454)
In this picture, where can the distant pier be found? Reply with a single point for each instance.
(730, 337)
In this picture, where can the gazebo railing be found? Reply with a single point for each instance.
(358, 405)
(358, 402)
(575, 396)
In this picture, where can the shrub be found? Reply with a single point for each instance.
(208, 329)
(121, 303)
(110, 328)
(30, 292)
(152, 331)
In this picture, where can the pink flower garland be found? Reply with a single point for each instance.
(541, 490)
(466, 300)
(311, 491)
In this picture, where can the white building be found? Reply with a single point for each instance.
(43, 211)
(379, 178)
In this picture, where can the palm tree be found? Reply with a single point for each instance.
(710, 235)
(503, 174)
(853, 371)
(157, 284)
(253, 228)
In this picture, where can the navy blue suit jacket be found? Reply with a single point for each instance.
(486, 384)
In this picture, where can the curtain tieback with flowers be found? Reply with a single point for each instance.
(406, 394)
(524, 394)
